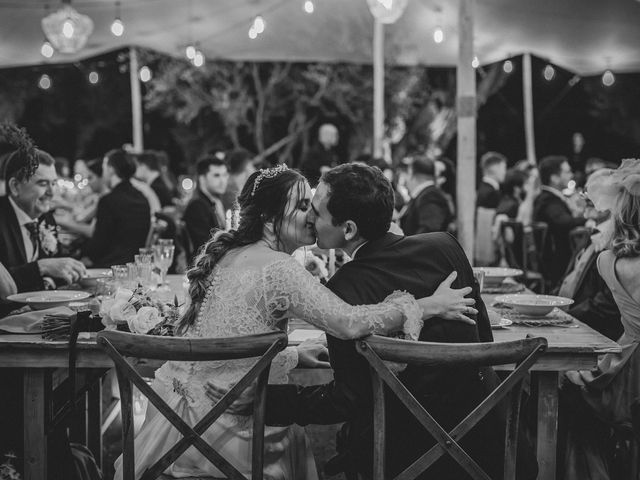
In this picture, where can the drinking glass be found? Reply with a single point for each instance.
(165, 242)
(478, 274)
(120, 275)
(132, 275)
(163, 258)
(145, 251)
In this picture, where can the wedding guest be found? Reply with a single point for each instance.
(494, 170)
(596, 400)
(123, 218)
(322, 156)
(429, 209)
(552, 208)
(7, 284)
(240, 165)
(148, 170)
(28, 232)
(205, 212)
(513, 193)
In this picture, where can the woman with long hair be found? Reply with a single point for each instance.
(607, 396)
(246, 282)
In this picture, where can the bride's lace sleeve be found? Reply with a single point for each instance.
(293, 292)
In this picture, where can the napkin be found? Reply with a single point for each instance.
(30, 322)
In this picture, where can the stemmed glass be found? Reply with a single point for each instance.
(163, 258)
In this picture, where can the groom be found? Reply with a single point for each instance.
(352, 210)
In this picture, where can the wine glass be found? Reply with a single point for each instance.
(163, 258)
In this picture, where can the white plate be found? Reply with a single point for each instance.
(504, 323)
(494, 276)
(534, 305)
(42, 299)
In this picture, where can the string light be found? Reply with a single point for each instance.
(145, 74)
(45, 82)
(190, 52)
(475, 63)
(549, 72)
(259, 24)
(46, 50)
(94, 77)
(608, 78)
(507, 66)
(198, 59)
(252, 33)
(117, 27)
(308, 6)
(438, 35)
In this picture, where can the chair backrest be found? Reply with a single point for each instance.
(521, 250)
(578, 238)
(524, 353)
(119, 345)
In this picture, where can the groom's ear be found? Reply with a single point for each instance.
(350, 230)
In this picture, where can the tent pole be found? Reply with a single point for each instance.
(528, 108)
(466, 108)
(378, 87)
(136, 101)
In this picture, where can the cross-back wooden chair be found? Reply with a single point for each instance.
(524, 353)
(119, 345)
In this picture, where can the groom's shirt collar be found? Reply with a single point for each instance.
(358, 248)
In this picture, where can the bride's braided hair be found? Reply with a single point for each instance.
(263, 199)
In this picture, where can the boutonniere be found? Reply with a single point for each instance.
(48, 238)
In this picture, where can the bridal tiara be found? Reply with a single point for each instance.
(268, 173)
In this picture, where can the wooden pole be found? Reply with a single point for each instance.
(527, 89)
(378, 86)
(466, 101)
(136, 101)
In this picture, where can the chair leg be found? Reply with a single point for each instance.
(635, 458)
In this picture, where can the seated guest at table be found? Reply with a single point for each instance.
(28, 232)
(123, 218)
(608, 393)
(513, 193)
(594, 303)
(429, 209)
(240, 165)
(205, 212)
(494, 169)
(552, 208)
(148, 170)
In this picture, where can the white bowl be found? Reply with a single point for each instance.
(42, 299)
(534, 305)
(494, 276)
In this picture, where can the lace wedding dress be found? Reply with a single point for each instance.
(251, 294)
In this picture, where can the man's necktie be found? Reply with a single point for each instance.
(33, 235)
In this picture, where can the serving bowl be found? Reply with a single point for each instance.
(534, 305)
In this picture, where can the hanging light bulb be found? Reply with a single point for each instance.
(45, 82)
(608, 78)
(145, 74)
(198, 59)
(117, 27)
(67, 30)
(46, 50)
(259, 24)
(387, 11)
(252, 33)
(308, 6)
(94, 78)
(190, 52)
(507, 66)
(438, 35)
(549, 72)
(475, 63)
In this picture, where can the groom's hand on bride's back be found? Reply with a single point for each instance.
(313, 354)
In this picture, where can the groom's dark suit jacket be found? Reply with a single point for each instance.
(416, 264)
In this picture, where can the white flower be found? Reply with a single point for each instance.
(144, 320)
(48, 239)
(122, 311)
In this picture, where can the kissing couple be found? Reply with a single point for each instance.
(245, 282)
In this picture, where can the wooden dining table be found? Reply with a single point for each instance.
(571, 346)
(40, 363)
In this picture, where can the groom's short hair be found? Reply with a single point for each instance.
(362, 194)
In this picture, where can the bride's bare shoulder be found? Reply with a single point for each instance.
(253, 256)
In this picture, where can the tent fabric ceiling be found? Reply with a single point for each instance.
(584, 36)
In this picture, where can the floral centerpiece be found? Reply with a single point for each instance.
(7, 470)
(141, 311)
(315, 265)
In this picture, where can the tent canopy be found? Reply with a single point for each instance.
(585, 36)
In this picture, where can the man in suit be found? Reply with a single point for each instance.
(352, 210)
(28, 232)
(123, 218)
(494, 171)
(205, 211)
(429, 209)
(551, 207)
(148, 170)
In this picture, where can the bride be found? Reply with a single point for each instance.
(246, 282)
